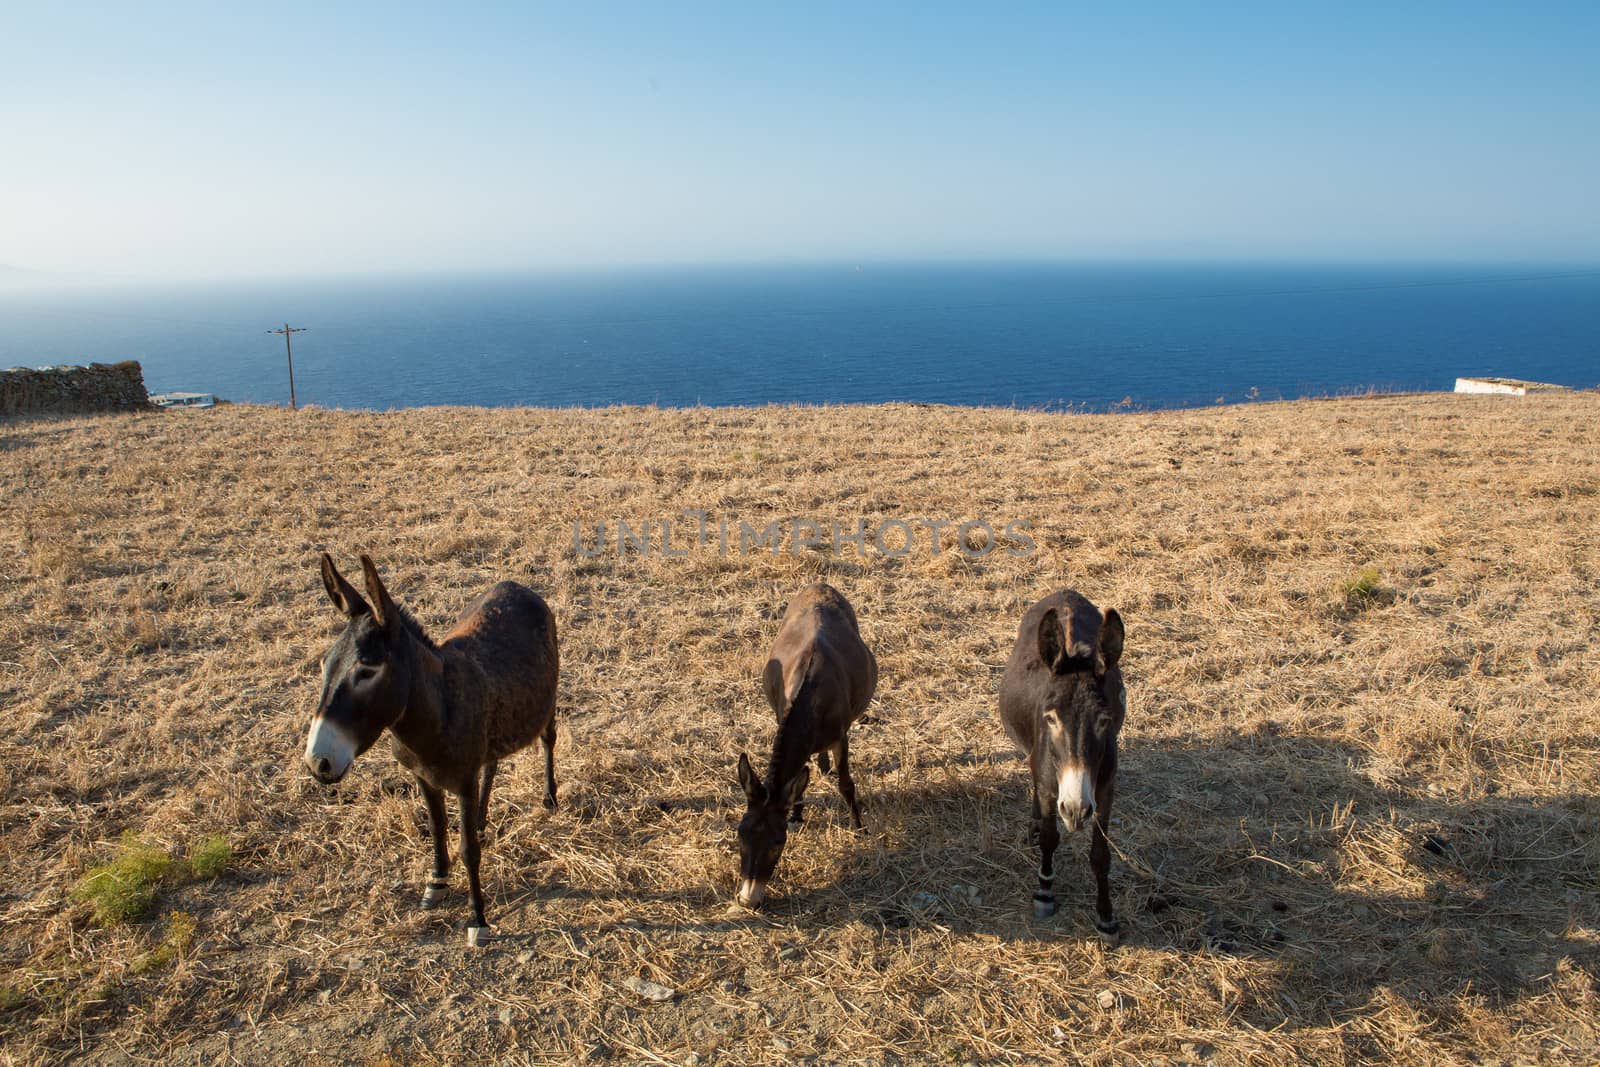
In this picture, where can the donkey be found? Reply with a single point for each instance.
(1062, 701)
(453, 709)
(819, 678)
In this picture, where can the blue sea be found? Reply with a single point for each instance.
(1078, 336)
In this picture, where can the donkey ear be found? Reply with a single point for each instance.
(796, 789)
(383, 609)
(754, 791)
(1111, 633)
(1052, 642)
(341, 592)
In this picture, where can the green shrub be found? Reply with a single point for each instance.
(210, 857)
(1361, 587)
(123, 890)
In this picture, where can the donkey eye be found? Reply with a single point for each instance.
(363, 673)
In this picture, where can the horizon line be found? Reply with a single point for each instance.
(20, 277)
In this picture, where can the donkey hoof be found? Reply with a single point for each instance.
(1044, 908)
(434, 893)
(479, 935)
(1110, 932)
(550, 801)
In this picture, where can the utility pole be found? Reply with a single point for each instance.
(288, 350)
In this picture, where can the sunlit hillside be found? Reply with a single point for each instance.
(1358, 817)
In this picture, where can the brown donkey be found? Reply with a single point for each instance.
(1062, 701)
(819, 678)
(453, 709)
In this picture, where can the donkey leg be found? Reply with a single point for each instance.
(478, 928)
(437, 886)
(549, 738)
(847, 785)
(797, 814)
(483, 794)
(1044, 898)
(1105, 922)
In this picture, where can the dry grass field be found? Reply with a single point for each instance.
(1358, 819)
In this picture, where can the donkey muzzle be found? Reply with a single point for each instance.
(1073, 815)
(322, 770)
(1074, 796)
(752, 892)
(329, 751)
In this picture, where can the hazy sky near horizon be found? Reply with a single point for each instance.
(206, 140)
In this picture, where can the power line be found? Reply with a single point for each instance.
(289, 351)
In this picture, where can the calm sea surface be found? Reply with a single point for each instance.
(1088, 336)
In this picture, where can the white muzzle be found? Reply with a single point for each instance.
(329, 750)
(1074, 796)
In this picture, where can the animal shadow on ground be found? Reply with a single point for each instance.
(1290, 855)
(1284, 850)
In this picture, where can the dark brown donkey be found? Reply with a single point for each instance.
(1062, 701)
(819, 678)
(453, 709)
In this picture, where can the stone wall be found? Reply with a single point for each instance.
(70, 390)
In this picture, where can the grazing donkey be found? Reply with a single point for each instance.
(453, 709)
(819, 679)
(1062, 701)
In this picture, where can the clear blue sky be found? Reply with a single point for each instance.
(161, 140)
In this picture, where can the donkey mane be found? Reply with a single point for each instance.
(792, 748)
(409, 621)
(1077, 664)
